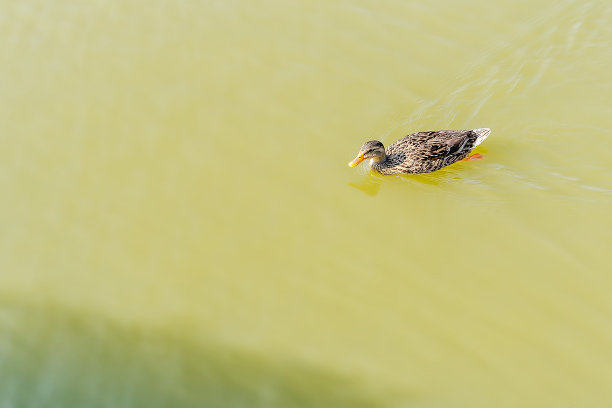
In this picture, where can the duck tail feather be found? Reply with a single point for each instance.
(482, 133)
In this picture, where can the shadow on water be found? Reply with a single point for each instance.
(53, 357)
(371, 183)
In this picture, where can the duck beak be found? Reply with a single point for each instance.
(356, 160)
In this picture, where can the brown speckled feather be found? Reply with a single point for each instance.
(424, 152)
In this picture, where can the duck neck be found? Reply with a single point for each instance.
(378, 161)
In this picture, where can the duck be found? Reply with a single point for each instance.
(422, 152)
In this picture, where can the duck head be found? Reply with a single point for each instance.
(370, 150)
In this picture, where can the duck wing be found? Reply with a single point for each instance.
(433, 145)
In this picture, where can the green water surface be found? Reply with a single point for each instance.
(180, 228)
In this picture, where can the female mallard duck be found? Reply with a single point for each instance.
(421, 152)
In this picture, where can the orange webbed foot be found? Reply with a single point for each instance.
(475, 156)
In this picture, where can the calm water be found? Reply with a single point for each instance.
(180, 228)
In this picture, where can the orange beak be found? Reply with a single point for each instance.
(356, 160)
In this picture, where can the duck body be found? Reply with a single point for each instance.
(421, 152)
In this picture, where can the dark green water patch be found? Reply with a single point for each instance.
(54, 357)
